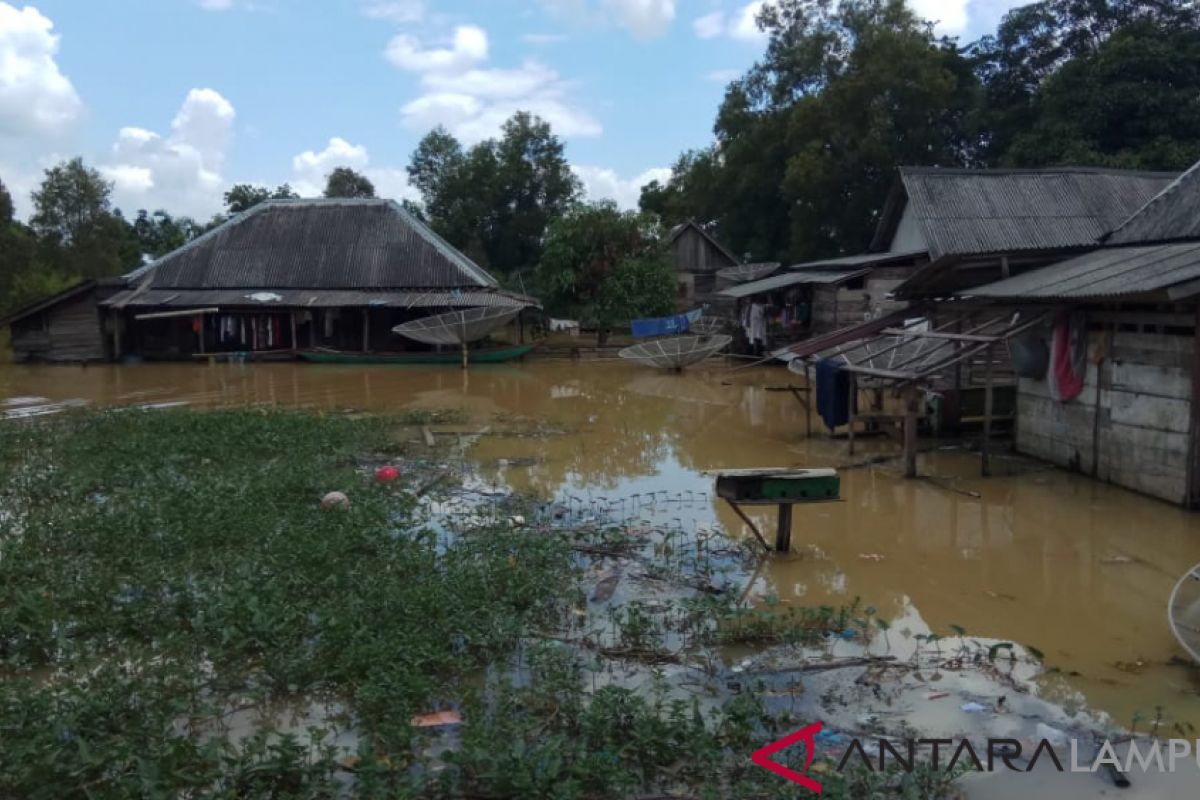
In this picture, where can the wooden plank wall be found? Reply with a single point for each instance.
(694, 253)
(74, 334)
(1144, 416)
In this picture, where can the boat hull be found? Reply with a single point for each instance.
(490, 355)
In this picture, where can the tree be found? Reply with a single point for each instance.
(244, 196)
(1035, 42)
(809, 139)
(605, 267)
(6, 207)
(160, 233)
(72, 200)
(345, 182)
(495, 200)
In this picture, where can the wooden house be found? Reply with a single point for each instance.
(697, 256)
(284, 276)
(65, 328)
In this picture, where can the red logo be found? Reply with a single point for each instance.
(807, 735)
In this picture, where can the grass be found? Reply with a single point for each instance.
(159, 570)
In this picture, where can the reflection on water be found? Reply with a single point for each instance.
(1079, 570)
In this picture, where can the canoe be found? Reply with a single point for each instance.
(1183, 612)
(489, 355)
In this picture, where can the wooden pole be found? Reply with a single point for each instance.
(312, 329)
(200, 333)
(1192, 495)
(812, 398)
(295, 344)
(783, 536)
(853, 386)
(910, 432)
(366, 346)
(988, 398)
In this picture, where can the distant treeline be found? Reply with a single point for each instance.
(806, 148)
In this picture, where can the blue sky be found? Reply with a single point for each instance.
(174, 100)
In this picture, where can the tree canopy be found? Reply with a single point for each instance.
(345, 182)
(807, 142)
(245, 196)
(605, 266)
(495, 200)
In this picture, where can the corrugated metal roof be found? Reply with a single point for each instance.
(861, 260)
(1111, 272)
(1171, 215)
(791, 279)
(997, 211)
(317, 244)
(316, 298)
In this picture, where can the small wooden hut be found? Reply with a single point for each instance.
(697, 257)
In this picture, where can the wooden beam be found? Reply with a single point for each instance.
(812, 395)
(1193, 463)
(366, 346)
(852, 381)
(783, 535)
(191, 312)
(988, 398)
(910, 433)
(750, 524)
(292, 322)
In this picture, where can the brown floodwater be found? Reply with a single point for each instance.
(1077, 569)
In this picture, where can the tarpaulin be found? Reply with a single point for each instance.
(665, 326)
(833, 393)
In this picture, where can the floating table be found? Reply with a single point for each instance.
(777, 487)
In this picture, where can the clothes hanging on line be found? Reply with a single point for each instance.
(833, 394)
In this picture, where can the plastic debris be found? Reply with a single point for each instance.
(335, 500)
(516, 521)
(436, 719)
(973, 708)
(936, 695)
(387, 474)
(849, 634)
(870, 556)
(827, 736)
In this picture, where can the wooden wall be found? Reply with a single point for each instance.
(1144, 414)
(693, 252)
(67, 332)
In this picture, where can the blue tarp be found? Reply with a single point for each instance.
(665, 326)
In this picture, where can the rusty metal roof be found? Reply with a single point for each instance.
(1110, 272)
(317, 244)
(966, 211)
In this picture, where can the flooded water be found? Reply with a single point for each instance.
(1036, 556)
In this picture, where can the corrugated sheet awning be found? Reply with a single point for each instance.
(317, 298)
(861, 260)
(792, 279)
(1111, 272)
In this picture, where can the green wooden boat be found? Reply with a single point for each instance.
(486, 355)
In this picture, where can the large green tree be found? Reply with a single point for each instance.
(807, 142)
(345, 182)
(160, 233)
(605, 267)
(494, 200)
(244, 196)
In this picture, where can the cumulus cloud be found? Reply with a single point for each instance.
(215, 5)
(645, 19)
(310, 169)
(602, 183)
(181, 171)
(723, 75)
(710, 26)
(473, 100)
(35, 97)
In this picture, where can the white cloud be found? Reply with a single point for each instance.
(744, 25)
(710, 26)
(181, 172)
(215, 5)
(473, 100)
(310, 169)
(645, 19)
(950, 17)
(35, 97)
(602, 183)
(399, 11)
(469, 46)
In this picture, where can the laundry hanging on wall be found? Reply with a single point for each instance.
(1068, 356)
(833, 393)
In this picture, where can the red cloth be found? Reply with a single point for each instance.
(1070, 336)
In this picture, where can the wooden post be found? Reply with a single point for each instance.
(118, 320)
(366, 329)
(200, 333)
(312, 329)
(783, 536)
(812, 398)
(295, 344)
(852, 382)
(464, 355)
(1192, 497)
(988, 396)
(910, 433)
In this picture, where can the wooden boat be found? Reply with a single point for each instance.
(1183, 612)
(486, 355)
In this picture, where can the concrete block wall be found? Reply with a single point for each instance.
(1144, 416)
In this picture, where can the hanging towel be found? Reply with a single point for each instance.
(1068, 357)
(833, 393)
